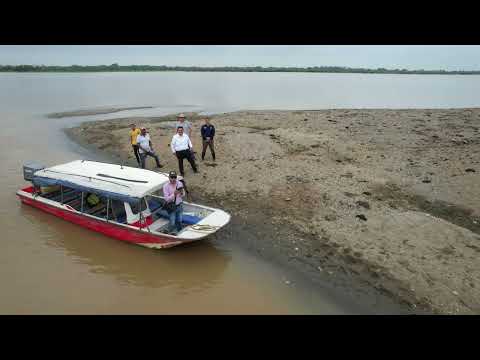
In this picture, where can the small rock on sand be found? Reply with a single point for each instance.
(363, 204)
(331, 217)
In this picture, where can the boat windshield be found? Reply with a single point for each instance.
(157, 193)
(138, 206)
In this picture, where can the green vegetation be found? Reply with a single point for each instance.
(316, 69)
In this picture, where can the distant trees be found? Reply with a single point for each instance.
(314, 69)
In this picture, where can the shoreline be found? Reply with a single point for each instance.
(90, 112)
(302, 183)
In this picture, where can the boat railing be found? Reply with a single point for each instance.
(85, 176)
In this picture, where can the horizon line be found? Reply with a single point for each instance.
(331, 68)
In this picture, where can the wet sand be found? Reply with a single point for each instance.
(88, 112)
(386, 200)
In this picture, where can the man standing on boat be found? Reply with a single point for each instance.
(208, 132)
(145, 148)
(182, 148)
(133, 139)
(174, 192)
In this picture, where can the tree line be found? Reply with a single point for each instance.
(130, 68)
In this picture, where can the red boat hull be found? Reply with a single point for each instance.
(136, 236)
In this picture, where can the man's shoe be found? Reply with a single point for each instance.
(159, 166)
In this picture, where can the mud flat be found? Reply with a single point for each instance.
(384, 199)
(89, 112)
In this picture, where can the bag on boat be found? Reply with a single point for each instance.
(93, 200)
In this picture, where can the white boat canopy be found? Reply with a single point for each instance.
(115, 181)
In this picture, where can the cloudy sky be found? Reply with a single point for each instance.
(408, 57)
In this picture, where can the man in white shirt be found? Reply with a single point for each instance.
(145, 148)
(182, 148)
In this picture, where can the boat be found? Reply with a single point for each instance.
(130, 202)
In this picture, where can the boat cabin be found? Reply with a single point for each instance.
(114, 193)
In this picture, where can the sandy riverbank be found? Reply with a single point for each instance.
(390, 198)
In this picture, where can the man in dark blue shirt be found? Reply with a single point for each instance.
(208, 133)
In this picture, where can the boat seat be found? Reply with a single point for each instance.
(70, 197)
(95, 209)
(75, 203)
(57, 196)
(186, 219)
(66, 197)
(49, 195)
(190, 219)
(72, 200)
(100, 212)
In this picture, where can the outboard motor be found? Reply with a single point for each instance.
(29, 169)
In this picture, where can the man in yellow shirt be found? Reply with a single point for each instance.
(133, 139)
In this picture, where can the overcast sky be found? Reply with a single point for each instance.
(367, 56)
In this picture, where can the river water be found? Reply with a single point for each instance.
(50, 266)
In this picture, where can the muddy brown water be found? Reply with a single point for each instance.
(49, 266)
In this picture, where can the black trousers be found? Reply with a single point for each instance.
(135, 151)
(185, 154)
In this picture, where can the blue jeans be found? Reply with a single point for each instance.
(176, 218)
(144, 155)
